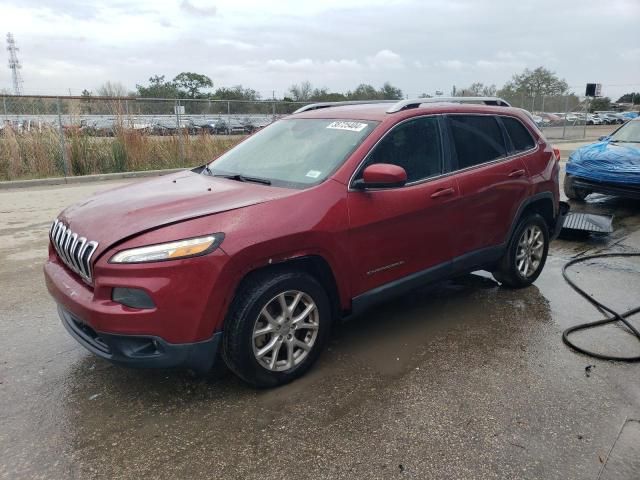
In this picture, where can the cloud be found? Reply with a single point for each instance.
(499, 64)
(333, 43)
(632, 54)
(385, 59)
(237, 44)
(307, 65)
(451, 64)
(194, 7)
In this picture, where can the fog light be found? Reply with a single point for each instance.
(132, 297)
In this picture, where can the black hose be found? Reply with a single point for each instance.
(614, 316)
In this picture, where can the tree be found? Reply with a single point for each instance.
(304, 92)
(158, 88)
(236, 93)
(599, 104)
(324, 95)
(85, 102)
(389, 92)
(112, 89)
(477, 89)
(632, 97)
(189, 84)
(301, 93)
(364, 92)
(533, 84)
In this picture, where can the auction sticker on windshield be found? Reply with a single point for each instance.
(350, 126)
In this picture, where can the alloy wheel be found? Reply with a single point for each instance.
(285, 331)
(530, 251)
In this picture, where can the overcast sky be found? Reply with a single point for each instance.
(417, 45)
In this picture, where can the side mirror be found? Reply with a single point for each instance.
(602, 139)
(381, 175)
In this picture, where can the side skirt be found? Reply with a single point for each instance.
(466, 263)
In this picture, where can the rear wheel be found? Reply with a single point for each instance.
(526, 254)
(277, 327)
(572, 192)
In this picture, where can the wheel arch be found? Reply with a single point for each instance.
(313, 264)
(543, 204)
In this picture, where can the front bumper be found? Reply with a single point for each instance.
(190, 297)
(608, 188)
(142, 351)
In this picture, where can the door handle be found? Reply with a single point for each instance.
(518, 173)
(443, 192)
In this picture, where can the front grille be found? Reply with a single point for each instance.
(73, 250)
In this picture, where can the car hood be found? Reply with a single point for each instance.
(607, 162)
(114, 215)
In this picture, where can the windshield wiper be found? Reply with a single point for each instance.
(244, 178)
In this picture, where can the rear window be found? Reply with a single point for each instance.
(477, 139)
(520, 136)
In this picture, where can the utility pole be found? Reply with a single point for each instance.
(14, 64)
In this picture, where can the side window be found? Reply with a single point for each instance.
(520, 136)
(414, 145)
(477, 139)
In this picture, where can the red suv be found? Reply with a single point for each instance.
(319, 216)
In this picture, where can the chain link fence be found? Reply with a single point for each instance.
(44, 136)
(565, 117)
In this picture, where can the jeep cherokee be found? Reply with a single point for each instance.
(317, 217)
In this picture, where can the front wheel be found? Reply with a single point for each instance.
(526, 254)
(276, 328)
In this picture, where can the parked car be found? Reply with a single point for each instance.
(593, 120)
(621, 117)
(607, 118)
(221, 127)
(610, 166)
(208, 127)
(319, 216)
(540, 121)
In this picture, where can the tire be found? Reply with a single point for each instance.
(257, 307)
(510, 268)
(574, 193)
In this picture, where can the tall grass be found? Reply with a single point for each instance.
(38, 153)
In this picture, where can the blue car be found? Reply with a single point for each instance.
(610, 166)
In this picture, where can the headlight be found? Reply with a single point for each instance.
(190, 247)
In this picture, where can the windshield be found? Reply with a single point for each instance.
(628, 133)
(294, 152)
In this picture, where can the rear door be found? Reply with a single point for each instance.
(395, 232)
(492, 177)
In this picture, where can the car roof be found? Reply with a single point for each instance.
(378, 111)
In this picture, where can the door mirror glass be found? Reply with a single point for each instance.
(381, 175)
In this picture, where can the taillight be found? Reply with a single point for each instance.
(556, 152)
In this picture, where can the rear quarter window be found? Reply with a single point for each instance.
(477, 139)
(519, 134)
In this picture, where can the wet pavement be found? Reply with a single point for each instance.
(463, 380)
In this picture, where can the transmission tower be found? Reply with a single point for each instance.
(14, 64)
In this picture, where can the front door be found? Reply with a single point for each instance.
(399, 231)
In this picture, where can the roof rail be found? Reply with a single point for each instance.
(416, 102)
(317, 106)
